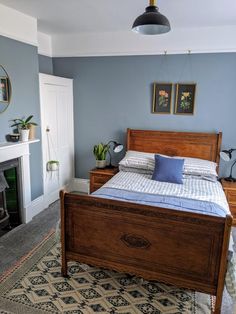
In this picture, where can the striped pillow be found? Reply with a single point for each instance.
(146, 162)
(199, 167)
(135, 170)
(138, 160)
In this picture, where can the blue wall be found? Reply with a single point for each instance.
(45, 65)
(113, 93)
(21, 62)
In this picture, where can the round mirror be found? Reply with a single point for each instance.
(5, 89)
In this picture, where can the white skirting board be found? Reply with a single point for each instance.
(80, 185)
(42, 202)
(34, 208)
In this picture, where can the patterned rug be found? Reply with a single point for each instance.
(35, 286)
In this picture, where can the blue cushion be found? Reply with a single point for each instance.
(168, 169)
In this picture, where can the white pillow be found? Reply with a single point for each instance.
(146, 161)
(199, 167)
(138, 160)
(135, 170)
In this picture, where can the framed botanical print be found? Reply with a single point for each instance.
(3, 89)
(185, 98)
(162, 95)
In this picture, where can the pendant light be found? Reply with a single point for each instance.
(151, 22)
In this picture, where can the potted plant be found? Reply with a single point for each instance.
(52, 165)
(100, 153)
(23, 127)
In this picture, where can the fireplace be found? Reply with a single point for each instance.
(10, 151)
(10, 195)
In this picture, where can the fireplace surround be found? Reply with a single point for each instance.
(20, 151)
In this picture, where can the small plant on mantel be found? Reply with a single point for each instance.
(24, 127)
(23, 124)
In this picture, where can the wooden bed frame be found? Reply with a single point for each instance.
(175, 247)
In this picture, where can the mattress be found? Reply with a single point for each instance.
(194, 195)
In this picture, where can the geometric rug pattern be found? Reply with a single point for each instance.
(37, 286)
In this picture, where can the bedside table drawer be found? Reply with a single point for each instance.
(98, 177)
(231, 196)
(101, 179)
(95, 187)
(230, 192)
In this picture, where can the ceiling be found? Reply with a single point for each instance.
(83, 16)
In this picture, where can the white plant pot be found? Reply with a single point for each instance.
(52, 166)
(101, 163)
(24, 135)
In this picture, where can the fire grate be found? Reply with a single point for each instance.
(10, 195)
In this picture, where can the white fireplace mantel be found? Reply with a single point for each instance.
(12, 150)
(4, 145)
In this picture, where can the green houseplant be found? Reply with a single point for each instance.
(52, 165)
(100, 153)
(23, 126)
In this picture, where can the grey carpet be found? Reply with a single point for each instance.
(18, 242)
(22, 239)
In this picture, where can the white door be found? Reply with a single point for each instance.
(57, 130)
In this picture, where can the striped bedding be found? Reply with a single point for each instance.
(141, 186)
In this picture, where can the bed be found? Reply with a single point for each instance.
(177, 247)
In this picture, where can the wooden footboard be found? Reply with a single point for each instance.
(180, 248)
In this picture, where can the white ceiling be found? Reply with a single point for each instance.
(82, 16)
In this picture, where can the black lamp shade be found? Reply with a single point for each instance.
(117, 147)
(151, 22)
(226, 155)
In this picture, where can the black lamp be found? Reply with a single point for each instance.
(226, 155)
(151, 22)
(117, 147)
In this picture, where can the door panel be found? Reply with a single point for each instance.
(56, 98)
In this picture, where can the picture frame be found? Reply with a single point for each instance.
(4, 94)
(185, 98)
(162, 98)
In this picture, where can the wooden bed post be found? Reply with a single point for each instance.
(128, 139)
(218, 150)
(223, 265)
(63, 232)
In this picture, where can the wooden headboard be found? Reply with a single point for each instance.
(198, 145)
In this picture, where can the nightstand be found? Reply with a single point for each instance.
(98, 177)
(230, 192)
